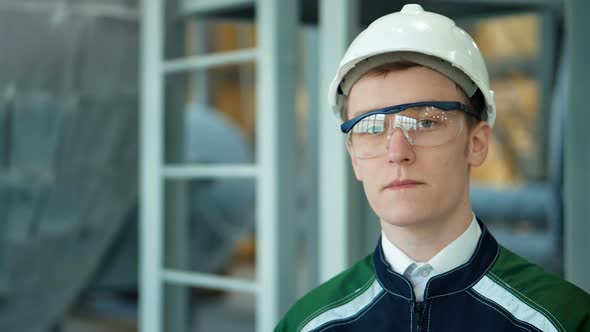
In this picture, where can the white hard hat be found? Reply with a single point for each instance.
(417, 36)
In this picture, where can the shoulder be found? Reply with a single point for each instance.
(336, 292)
(528, 290)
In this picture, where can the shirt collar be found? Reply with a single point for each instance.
(396, 258)
(459, 251)
(453, 255)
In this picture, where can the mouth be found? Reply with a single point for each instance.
(403, 184)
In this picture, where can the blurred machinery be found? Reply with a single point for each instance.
(68, 151)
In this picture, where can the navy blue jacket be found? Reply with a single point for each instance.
(495, 290)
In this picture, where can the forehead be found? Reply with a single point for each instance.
(403, 86)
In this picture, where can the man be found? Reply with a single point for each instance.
(413, 91)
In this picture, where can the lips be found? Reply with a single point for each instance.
(403, 184)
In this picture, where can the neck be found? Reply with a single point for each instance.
(423, 239)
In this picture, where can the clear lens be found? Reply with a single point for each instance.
(422, 126)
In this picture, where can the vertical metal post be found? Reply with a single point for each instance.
(275, 141)
(546, 72)
(200, 78)
(312, 71)
(175, 216)
(338, 20)
(150, 188)
(577, 154)
(549, 132)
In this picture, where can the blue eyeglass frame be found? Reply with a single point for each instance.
(346, 126)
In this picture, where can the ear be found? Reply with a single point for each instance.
(479, 143)
(355, 166)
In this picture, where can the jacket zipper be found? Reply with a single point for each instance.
(419, 310)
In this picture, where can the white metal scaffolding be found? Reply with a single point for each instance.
(274, 170)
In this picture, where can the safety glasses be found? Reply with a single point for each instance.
(426, 124)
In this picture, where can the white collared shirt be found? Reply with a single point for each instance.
(453, 255)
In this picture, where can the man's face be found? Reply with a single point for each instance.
(441, 173)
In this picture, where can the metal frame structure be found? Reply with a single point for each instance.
(337, 25)
(274, 170)
(277, 27)
(151, 156)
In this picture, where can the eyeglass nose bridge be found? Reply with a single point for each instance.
(403, 127)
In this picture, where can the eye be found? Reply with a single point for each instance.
(427, 124)
(375, 130)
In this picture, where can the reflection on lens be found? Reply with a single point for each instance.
(422, 126)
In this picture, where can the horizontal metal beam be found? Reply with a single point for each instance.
(537, 246)
(504, 68)
(206, 61)
(532, 3)
(209, 281)
(210, 171)
(532, 202)
(61, 9)
(192, 7)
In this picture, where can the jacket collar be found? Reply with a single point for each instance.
(453, 281)
(452, 255)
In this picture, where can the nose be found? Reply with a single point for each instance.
(399, 149)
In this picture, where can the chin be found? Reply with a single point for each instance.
(401, 221)
(403, 215)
